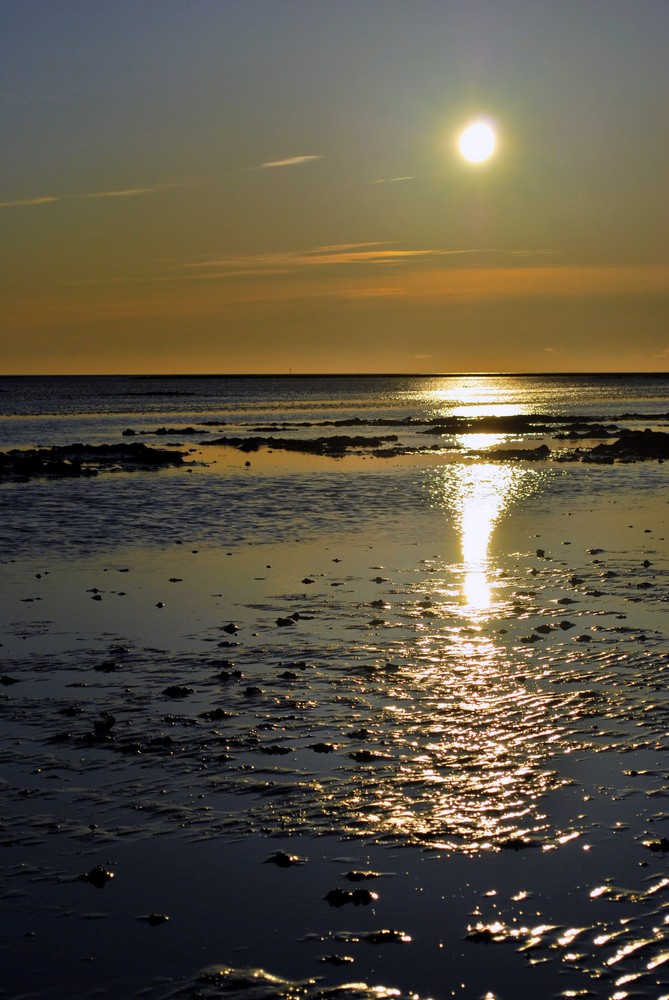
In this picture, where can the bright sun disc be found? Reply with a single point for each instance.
(477, 142)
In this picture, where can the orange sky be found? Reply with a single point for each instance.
(257, 187)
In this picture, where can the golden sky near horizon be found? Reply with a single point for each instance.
(273, 186)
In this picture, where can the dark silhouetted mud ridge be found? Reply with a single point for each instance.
(83, 460)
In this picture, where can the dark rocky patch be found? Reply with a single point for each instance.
(334, 446)
(358, 897)
(75, 460)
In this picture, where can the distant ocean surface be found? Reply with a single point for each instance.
(226, 502)
(46, 410)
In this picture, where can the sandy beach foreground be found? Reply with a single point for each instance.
(367, 757)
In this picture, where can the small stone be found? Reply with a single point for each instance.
(516, 844)
(108, 667)
(283, 860)
(155, 919)
(358, 897)
(661, 845)
(97, 876)
(103, 725)
(386, 937)
(178, 691)
(365, 756)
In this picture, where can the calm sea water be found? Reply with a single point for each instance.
(95, 407)
(149, 508)
(472, 694)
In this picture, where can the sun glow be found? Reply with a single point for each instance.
(477, 142)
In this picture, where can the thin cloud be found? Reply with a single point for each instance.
(127, 193)
(291, 161)
(394, 180)
(382, 292)
(20, 202)
(428, 286)
(370, 253)
(333, 247)
(50, 199)
(534, 253)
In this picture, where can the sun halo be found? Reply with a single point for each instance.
(477, 142)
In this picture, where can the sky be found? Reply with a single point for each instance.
(229, 186)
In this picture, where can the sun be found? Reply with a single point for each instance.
(477, 142)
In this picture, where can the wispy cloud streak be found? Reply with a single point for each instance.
(291, 161)
(370, 253)
(51, 198)
(20, 202)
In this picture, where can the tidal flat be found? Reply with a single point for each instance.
(297, 744)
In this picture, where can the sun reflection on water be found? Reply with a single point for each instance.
(470, 769)
(478, 442)
(477, 496)
(479, 396)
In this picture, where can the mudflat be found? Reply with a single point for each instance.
(412, 755)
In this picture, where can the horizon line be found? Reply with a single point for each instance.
(328, 374)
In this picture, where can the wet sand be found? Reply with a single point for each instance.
(231, 737)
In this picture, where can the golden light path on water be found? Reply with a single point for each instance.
(483, 764)
(475, 396)
(470, 737)
(479, 494)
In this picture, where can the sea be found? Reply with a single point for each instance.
(290, 501)
(36, 407)
(388, 719)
